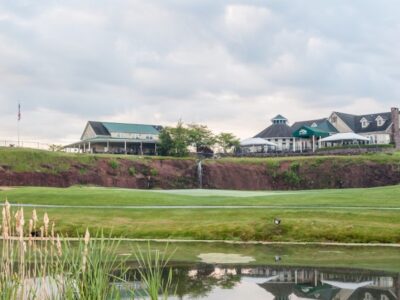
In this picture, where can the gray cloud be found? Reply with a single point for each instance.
(231, 65)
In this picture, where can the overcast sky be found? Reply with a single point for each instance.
(232, 65)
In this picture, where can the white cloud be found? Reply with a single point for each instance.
(246, 19)
(231, 65)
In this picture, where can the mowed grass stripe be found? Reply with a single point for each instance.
(86, 196)
(247, 224)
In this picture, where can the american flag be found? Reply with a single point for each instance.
(19, 112)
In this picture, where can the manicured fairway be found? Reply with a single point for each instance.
(305, 215)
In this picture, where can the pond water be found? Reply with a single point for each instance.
(211, 271)
(234, 282)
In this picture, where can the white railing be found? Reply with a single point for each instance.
(25, 144)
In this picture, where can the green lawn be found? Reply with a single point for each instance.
(314, 216)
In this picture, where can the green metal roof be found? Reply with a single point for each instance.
(307, 132)
(130, 128)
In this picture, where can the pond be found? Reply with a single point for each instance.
(235, 271)
(212, 282)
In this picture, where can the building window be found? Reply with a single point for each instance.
(380, 121)
(364, 123)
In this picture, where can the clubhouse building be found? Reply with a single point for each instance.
(117, 138)
(338, 128)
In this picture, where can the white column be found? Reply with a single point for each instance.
(313, 143)
(319, 143)
(125, 146)
(294, 144)
(84, 147)
(89, 149)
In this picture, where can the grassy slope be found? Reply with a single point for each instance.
(307, 224)
(29, 160)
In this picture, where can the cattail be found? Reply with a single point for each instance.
(5, 223)
(24, 246)
(87, 237)
(52, 233)
(52, 229)
(34, 217)
(46, 224)
(16, 216)
(21, 224)
(85, 251)
(58, 244)
(30, 227)
(41, 231)
(30, 232)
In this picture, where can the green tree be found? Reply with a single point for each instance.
(174, 141)
(200, 136)
(166, 142)
(180, 137)
(227, 141)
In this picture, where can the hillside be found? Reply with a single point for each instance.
(26, 167)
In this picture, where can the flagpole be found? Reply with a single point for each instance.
(18, 121)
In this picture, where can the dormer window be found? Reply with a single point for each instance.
(380, 121)
(364, 123)
(314, 125)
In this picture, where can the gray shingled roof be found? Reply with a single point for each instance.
(279, 117)
(275, 131)
(354, 122)
(99, 128)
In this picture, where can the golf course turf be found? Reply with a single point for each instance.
(347, 215)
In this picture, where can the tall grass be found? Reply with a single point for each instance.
(36, 263)
(152, 267)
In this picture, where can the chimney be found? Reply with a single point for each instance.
(396, 127)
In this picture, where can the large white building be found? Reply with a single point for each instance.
(109, 137)
(379, 128)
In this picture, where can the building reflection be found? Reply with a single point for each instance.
(292, 283)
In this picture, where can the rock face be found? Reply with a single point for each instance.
(183, 174)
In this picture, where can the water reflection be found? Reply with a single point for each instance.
(211, 282)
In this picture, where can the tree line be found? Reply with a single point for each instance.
(175, 141)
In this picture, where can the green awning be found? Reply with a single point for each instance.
(308, 132)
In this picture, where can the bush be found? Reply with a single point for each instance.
(153, 172)
(114, 164)
(132, 171)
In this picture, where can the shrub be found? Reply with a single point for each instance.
(153, 172)
(132, 171)
(114, 164)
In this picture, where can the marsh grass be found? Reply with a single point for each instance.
(36, 263)
(153, 264)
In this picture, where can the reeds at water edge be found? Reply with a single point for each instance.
(37, 263)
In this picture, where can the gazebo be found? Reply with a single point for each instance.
(345, 139)
(257, 145)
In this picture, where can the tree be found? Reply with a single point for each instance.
(55, 148)
(174, 141)
(200, 136)
(180, 136)
(166, 142)
(227, 141)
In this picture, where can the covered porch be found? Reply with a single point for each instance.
(309, 138)
(114, 146)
